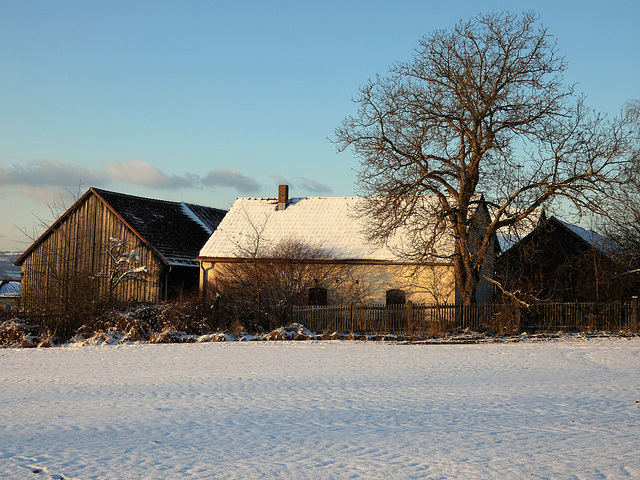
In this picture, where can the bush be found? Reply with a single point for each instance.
(141, 322)
(16, 332)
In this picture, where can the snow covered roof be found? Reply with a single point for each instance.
(329, 223)
(600, 242)
(9, 289)
(7, 270)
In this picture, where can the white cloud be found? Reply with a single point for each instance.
(41, 180)
(314, 186)
(280, 180)
(47, 173)
(231, 178)
(304, 186)
(135, 171)
(139, 172)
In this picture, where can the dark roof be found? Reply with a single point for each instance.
(587, 238)
(597, 241)
(176, 231)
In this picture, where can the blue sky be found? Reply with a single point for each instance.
(206, 101)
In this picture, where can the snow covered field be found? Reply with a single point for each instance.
(320, 410)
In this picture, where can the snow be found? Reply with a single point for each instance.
(325, 222)
(320, 410)
(602, 243)
(189, 213)
(9, 289)
(330, 223)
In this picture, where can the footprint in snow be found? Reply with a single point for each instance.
(41, 471)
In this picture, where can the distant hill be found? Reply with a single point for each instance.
(7, 270)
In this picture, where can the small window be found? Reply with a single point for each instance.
(396, 297)
(317, 296)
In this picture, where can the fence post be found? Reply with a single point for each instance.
(458, 315)
(410, 325)
(351, 310)
(518, 319)
(634, 315)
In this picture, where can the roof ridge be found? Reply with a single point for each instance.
(120, 194)
(151, 199)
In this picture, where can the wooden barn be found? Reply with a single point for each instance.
(562, 262)
(118, 247)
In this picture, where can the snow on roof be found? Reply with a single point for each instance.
(9, 289)
(602, 243)
(329, 223)
(7, 270)
(191, 214)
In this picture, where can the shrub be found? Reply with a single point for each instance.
(17, 332)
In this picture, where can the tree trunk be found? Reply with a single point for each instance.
(466, 278)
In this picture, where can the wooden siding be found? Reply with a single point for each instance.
(62, 268)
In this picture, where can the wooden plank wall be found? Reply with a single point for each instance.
(62, 268)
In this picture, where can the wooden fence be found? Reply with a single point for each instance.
(410, 319)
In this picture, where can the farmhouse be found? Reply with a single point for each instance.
(116, 246)
(326, 235)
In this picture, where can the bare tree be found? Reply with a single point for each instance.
(267, 277)
(57, 207)
(263, 288)
(289, 270)
(123, 265)
(481, 108)
(623, 222)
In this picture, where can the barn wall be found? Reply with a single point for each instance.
(68, 265)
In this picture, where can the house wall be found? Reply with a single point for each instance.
(479, 225)
(62, 268)
(346, 283)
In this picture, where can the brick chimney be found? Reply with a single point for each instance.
(283, 196)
